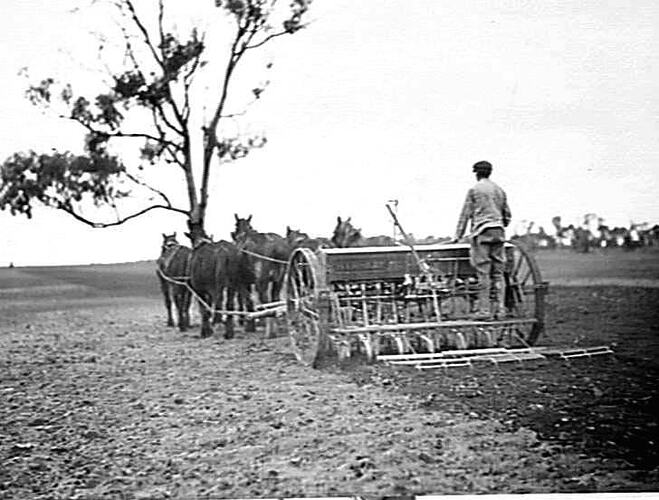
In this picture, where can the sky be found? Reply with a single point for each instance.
(380, 100)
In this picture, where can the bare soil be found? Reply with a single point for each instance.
(605, 406)
(100, 399)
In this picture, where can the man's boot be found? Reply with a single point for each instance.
(498, 299)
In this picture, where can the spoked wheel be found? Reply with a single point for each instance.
(525, 292)
(302, 312)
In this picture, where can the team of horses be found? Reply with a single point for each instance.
(224, 275)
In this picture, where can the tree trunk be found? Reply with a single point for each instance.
(196, 225)
(197, 211)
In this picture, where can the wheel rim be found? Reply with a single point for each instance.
(302, 305)
(524, 295)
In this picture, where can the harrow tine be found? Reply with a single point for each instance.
(490, 337)
(425, 338)
(367, 341)
(460, 340)
(343, 349)
(402, 343)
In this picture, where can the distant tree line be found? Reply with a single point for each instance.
(592, 233)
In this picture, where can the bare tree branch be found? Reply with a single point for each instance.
(161, 140)
(160, 60)
(248, 105)
(144, 31)
(66, 207)
(172, 153)
(119, 133)
(210, 137)
(144, 184)
(187, 82)
(167, 122)
(266, 40)
(275, 35)
(161, 15)
(129, 49)
(131, 53)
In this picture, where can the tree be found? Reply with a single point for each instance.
(152, 98)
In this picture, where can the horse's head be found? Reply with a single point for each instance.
(243, 229)
(345, 234)
(169, 241)
(295, 237)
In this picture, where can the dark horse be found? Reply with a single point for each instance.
(297, 239)
(268, 254)
(173, 263)
(347, 235)
(217, 273)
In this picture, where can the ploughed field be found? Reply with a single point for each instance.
(100, 399)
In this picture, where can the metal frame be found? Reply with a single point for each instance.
(377, 300)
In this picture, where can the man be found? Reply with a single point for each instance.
(487, 209)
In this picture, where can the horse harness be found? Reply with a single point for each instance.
(261, 256)
(167, 260)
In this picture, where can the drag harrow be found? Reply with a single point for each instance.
(378, 302)
(465, 357)
(585, 352)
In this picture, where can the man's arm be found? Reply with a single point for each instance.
(505, 212)
(465, 215)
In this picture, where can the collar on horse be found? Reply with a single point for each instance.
(202, 241)
(170, 244)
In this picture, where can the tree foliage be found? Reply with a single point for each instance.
(149, 99)
(57, 179)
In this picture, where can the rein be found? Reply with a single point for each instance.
(264, 257)
(184, 281)
(176, 280)
(245, 239)
(273, 306)
(167, 260)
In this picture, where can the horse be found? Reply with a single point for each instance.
(216, 275)
(347, 235)
(173, 263)
(268, 254)
(298, 239)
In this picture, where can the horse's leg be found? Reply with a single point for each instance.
(277, 285)
(228, 321)
(270, 323)
(241, 307)
(176, 299)
(275, 295)
(206, 326)
(186, 297)
(164, 286)
(217, 304)
(179, 301)
(262, 289)
(216, 316)
(245, 293)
